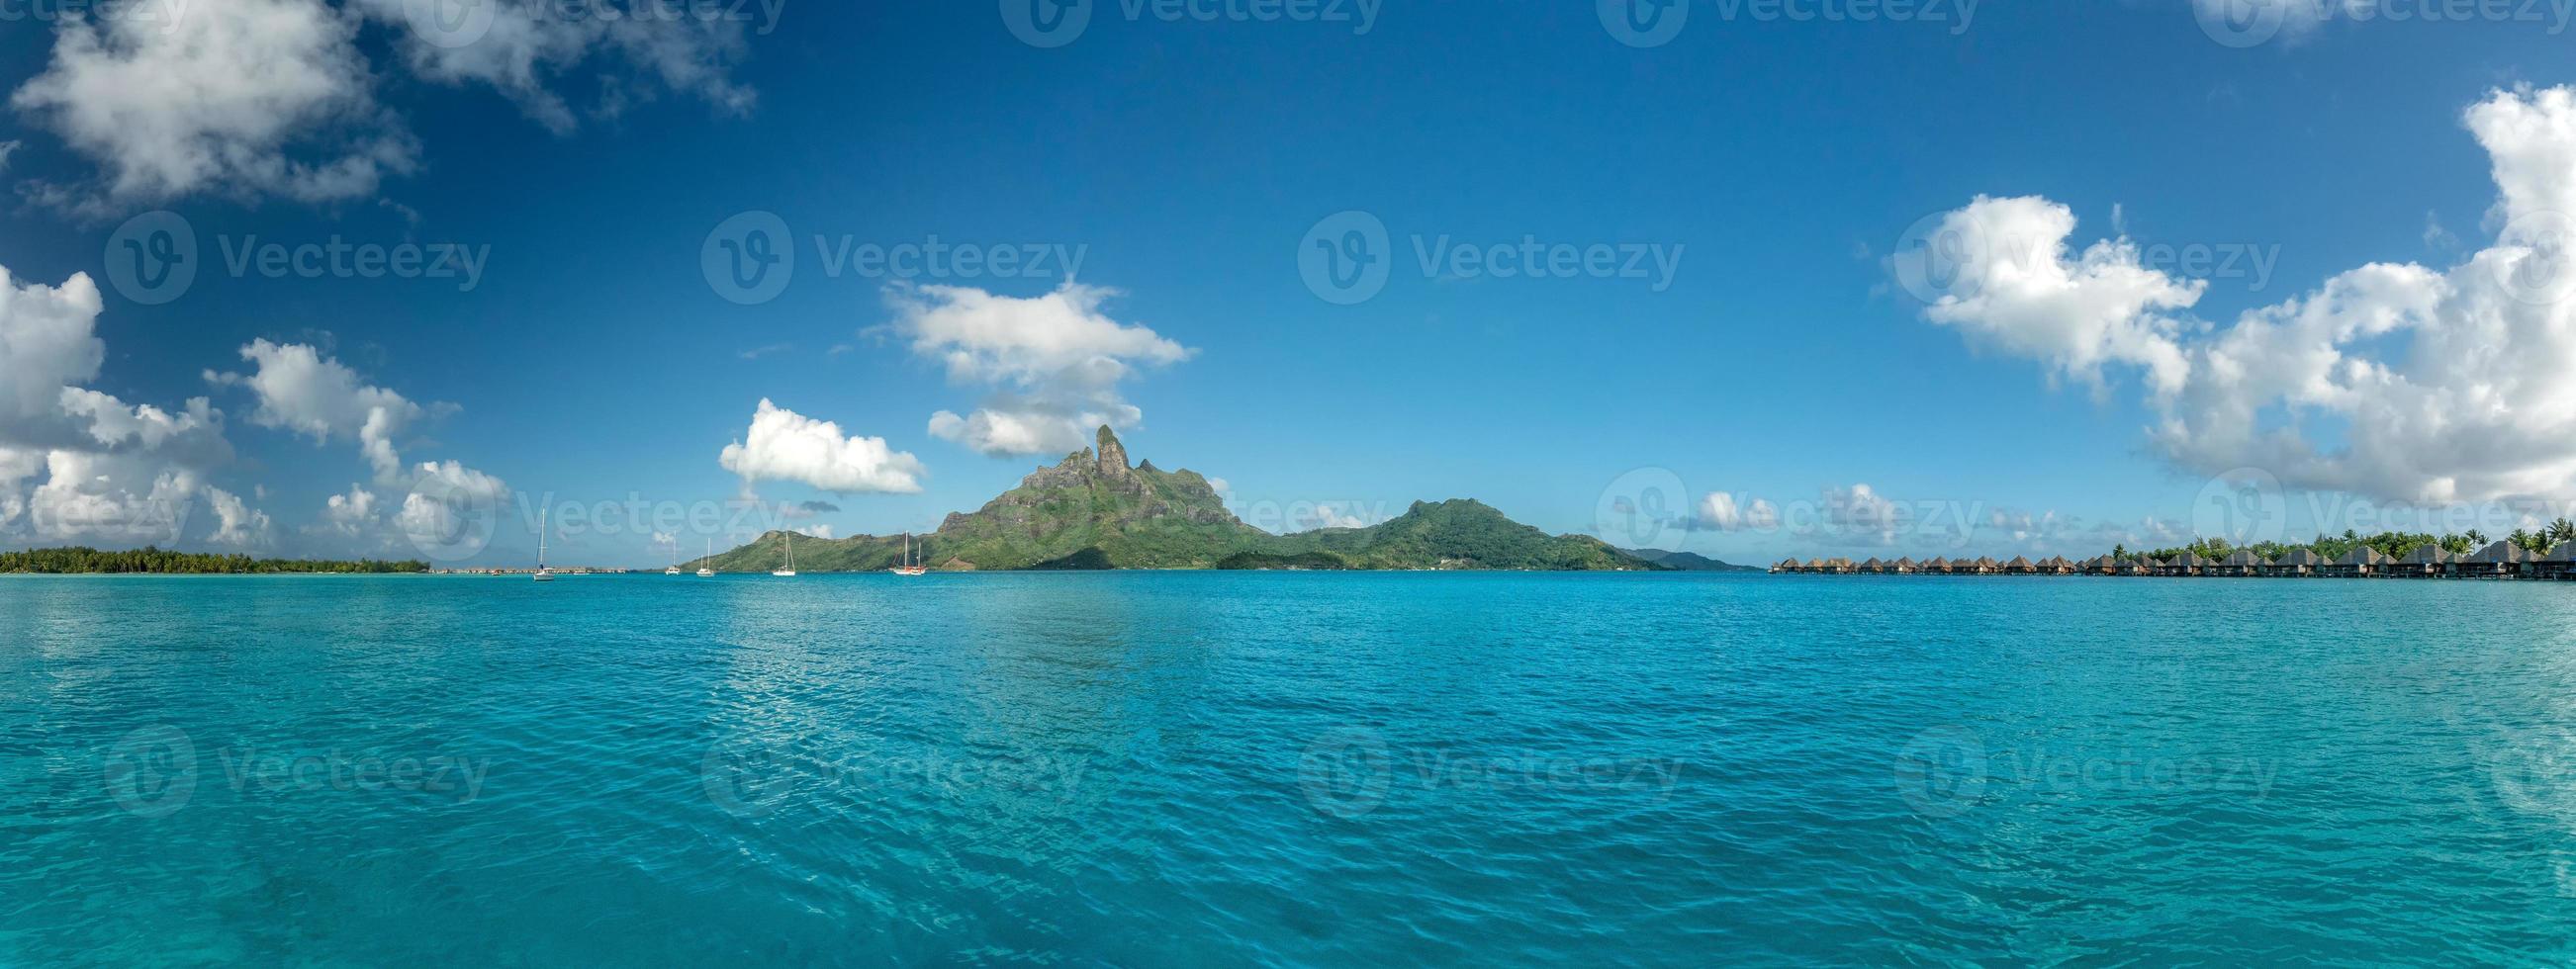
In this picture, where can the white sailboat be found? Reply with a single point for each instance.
(706, 568)
(909, 566)
(543, 574)
(787, 541)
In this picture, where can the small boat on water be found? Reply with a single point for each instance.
(706, 566)
(543, 574)
(910, 565)
(787, 541)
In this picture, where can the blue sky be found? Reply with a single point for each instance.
(1776, 164)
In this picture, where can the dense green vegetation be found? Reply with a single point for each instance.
(2391, 544)
(1093, 511)
(154, 561)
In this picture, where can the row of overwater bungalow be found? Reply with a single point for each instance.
(2502, 560)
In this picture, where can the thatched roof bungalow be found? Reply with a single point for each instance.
(2362, 562)
(2502, 560)
(2557, 563)
(1938, 566)
(1903, 566)
(2141, 565)
(2057, 565)
(2239, 565)
(2020, 565)
(2426, 561)
(2184, 564)
(2299, 564)
(1787, 565)
(1873, 566)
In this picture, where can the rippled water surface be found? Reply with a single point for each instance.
(1308, 769)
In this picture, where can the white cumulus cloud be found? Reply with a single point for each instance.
(2391, 380)
(783, 445)
(301, 390)
(263, 96)
(1053, 363)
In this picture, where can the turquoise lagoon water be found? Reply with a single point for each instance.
(1295, 769)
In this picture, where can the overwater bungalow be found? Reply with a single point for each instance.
(2557, 563)
(1984, 565)
(2361, 563)
(2421, 562)
(2057, 565)
(2299, 564)
(2104, 565)
(1840, 566)
(2020, 565)
(1903, 566)
(1786, 565)
(2185, 564)
(1813, 565)
(1938, 566)
(1872, 567)
(2502, 560)
(2141, 565)
(2242, 564)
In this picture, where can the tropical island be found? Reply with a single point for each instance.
(1095, 511)
(2549, 553)
(155, 561)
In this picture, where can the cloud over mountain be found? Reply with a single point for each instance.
(783, 445)
(1053, 363)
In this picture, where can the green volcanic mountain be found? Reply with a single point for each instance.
(1094, 511)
